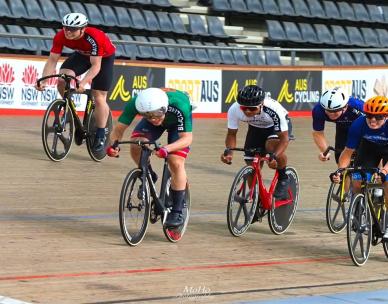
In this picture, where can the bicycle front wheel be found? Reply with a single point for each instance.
(134, 210)
(281, 217)
(359, 230)
(91, 129)
(176, 234)
(336, 208)
(57, 130)
(241, 208)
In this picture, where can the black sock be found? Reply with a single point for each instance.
(178, 199)
(282, 173)
(100, 132)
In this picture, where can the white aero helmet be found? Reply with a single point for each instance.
(334, 99)
(75, 20)
(151, 100)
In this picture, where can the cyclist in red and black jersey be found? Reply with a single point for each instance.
(94, 53)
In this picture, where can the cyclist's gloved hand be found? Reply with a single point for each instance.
(336, 176)
(113, 150)
(227, 156)
(161, 152)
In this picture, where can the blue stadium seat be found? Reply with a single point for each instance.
(160, 52)
(331, 10)
(292, 32)
(240, 57)
(63, 8)
(383, 37)
(346, 58)
(300, 8)
(330, 58)
(221, 5)
(178, 25)
(174, 53)
(255, 6)
(239, 6)
(130, 50)
(151, 21)
(370, 37)
(385, 12)
(214, 54)
(21, 44)
(187, 53)
(215, 27)
(48, 32)
(375, 13)
(256, 57)
(346, 11)
(308, 33)
(361, 12)
(34, 11)
(38, 45)
(144, 51)
(78, 7)
(355, 37)
(123, 18)
(5, 42)
(109, 15)
(197, 26)
(18, 9)
(49, 11)
(4, 10)
(200, 54)
(164, 22)
(316, 9)
(273, 57)
(226, 54)
(323, 34)
(94, 14)
(361, 59)
(270, 7)
(339, 35)
(275, 30)
(376, 59)
(138, 21)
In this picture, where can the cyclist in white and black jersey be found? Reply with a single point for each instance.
(269, 128)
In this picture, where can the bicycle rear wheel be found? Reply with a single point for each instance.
(57, 130)
(241, 209)
(280, 218)
(359, 230)
(336, 208)
(175, 234)
(91, 130)
(134, 210)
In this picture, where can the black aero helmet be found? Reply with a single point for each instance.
(250, 96)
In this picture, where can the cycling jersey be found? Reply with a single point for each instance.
(178, 112)
(93, 43)
(359, 130)
(353, 111)
(272, 115)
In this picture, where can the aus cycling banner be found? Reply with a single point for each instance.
(295, 90)
(129, 80)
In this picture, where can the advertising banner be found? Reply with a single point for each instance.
(129, 80)
(203, 85)
(295, 90)
(362, 84)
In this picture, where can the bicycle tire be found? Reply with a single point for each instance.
(174, 235)
(56, 139)
(385, 247)
(237, 226)
(359, 224)
(91, 131)
(130, 201)
(336, 208)
(280, 218)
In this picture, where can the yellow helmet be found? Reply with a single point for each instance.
(376, 105)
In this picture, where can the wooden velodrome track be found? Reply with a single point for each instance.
(61, 242)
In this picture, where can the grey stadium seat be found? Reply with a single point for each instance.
(173, 52)
(77, 7)
(214, 54)
(308, 33)
(331, 10)
(178, 25)
(226, 54)
(271, 7)
(323, 33)
(255, 6)
(18, 43)
(339, 35)
(275, 30)
(34, 11)
(346, 11)
(109, 15)
(370, 37)
(385, 12)
(355, 37)
(330, 58)
(5, 42)
(221, 5)
(18, 9)
(160, 52)
(130, 50)
(383, 37)
(316, 9)
(63, 8)
(164, 22)
(375, 13)
(48, 32)
(292, 32)
(162, 3)
(144, 51)
(123, 18)
(49, 11)
(4, 9)
(94, 14)
(215, 27)
(286, 8)
(345, 58)
(197, 26)
(200, 54)
(361, 59)
(273, 57)
(301, 8)
(360, 12)
(239, 6)
(120, 52)
(36, 44)
(240, 57)
(151, 21)
(376, 59)
(256, 57)
(187, 53)
(138, 21)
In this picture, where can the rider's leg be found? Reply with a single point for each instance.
(61, 82)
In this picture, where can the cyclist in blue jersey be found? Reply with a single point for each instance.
(334, 106)
(162, 110)
(369, 136)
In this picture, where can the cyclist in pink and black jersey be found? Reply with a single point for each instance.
(94, 53)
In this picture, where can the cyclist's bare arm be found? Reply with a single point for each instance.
(343, 162)
(321, 143)
(118, 132)
(185, 140)
(49, 68)
(230, 142)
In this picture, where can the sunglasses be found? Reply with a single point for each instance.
(71, 29)
(153, 115)
(375, 116)
(249, 109)
(334, 111)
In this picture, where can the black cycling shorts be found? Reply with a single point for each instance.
(341, 135)
(81, 63)
(369, 154)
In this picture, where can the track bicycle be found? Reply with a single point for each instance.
(338, 200)
(140, 202)
(366, 221)
(61, 123)
(248, 194)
